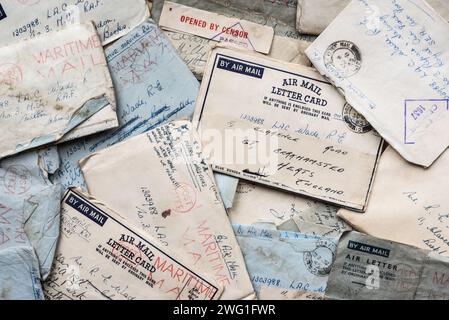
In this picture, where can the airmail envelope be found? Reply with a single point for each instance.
(391, 63)
(370, 268)
(25, 19)
(171, 193)
(315, 15)
(50, 85)
(284, 126)
(101, 256)
(286, 260)
(408, 204)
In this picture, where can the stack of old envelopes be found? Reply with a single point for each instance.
(202, 150)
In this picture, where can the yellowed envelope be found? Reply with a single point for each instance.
(284, 126)
(50, 85)
(408, 204)
(161, 181)
(100, 256)
(25, 19)
(391, 62)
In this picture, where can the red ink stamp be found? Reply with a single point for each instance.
(186, 198)
(17, 180)
(10, 74)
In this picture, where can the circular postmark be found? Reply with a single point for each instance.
(319, 261)
(355, 121)
(28, 2)
(185, 198)
(344, 56)
(10, 74)
(17, 180)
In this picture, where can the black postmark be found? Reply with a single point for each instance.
(319, 261)
(355, 121)
(343, 56)
(2, 13)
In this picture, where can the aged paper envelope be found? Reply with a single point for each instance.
(29, 205)
(153, 86)
(101, 256)
(407, 197)
(25, 19)
(370, 268)
(315, 15)
(50, 85)
(286, 260)
(170, 192)
(273, 293)
(403, 40)
(289, 129)
(277, 207)
(212, 26)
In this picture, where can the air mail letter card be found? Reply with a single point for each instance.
(285, 126)
(101, 256)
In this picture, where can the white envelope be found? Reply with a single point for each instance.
(50, 85)
(315, 15)
(161, 181)
(288, 128)
(391, 65)
(25, 19)
(102, 256)
(408, 204)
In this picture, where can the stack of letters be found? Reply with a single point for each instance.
(207, 149)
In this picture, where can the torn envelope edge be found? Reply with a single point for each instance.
(87, 110)
(119, 219)
(259, 37)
